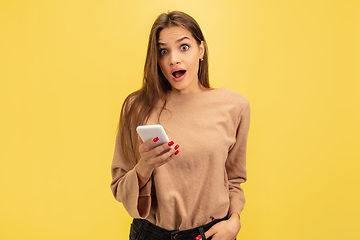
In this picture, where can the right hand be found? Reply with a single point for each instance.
(150, 158)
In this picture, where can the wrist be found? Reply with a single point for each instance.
(234, 216)
(235, 222)
(143, 173)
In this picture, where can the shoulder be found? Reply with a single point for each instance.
(232, 98)
(231, 94)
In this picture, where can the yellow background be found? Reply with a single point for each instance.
(67, 65)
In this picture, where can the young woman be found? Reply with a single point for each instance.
(192, 191)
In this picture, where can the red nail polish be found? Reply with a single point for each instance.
(171, 143)
(198, 238)
(156, 139)
(176, 147)
(177, 152)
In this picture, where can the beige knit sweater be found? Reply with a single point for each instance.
(202, 182)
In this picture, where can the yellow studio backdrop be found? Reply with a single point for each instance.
(67, 65)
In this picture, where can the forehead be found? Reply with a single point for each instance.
(171, 34)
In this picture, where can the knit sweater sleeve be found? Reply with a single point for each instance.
(236, 163)
(125, 185)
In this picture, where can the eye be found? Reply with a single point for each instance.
(163, 52)
(184, 47)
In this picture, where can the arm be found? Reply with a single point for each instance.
(236, 170)
(131, 182)
(125, 185)
(236, 163)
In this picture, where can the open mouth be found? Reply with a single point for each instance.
(178, 74)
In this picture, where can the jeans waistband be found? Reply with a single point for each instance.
(151, 231)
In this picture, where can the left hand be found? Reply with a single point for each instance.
(225, 230)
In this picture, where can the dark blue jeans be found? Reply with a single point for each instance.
(142, 229)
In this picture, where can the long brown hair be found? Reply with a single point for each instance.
(138, 105)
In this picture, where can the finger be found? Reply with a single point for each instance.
(210, 232)
(151, 156)
(163, 158)
(140, 140)
(163, 148)
(146, 146)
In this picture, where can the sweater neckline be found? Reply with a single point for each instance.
(177, 94)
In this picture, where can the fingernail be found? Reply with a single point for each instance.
(198, 238)
(177, 151)
(177, 146)
(171, 143)
(156, 139)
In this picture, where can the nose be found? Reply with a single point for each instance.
(174, 58)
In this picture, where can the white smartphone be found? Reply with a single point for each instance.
(147, 132)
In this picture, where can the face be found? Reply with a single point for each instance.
(179, 55)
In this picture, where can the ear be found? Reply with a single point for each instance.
(202, 50)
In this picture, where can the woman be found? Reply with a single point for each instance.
(192, 192)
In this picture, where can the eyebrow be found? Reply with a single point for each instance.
(179, 40)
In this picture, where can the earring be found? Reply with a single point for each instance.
(202, 59)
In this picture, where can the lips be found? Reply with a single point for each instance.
(178, 74)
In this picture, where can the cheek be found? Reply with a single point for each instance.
(161, 64)
(195, 62)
